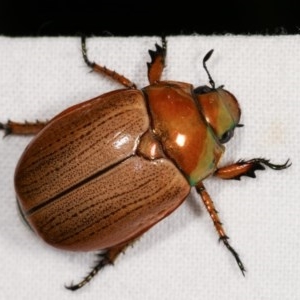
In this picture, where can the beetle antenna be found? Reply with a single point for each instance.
(205, 59)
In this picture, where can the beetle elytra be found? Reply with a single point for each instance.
(101, 173)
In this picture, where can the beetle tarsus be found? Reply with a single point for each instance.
(224, 239)
(160, 51)
(84, 53)
(267, 163)
(101, 263)
(6, 129)
(104, 259)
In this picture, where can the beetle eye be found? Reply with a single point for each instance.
(227, 136)
(204, 89)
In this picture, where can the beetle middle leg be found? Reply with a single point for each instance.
(248, 168)
(217, 223)
(26, 128)
(105, 258)
(103, 70)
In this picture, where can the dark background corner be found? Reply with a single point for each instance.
(128, 18)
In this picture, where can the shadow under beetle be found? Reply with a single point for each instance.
(102, 172)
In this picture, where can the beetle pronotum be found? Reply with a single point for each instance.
(102, 172)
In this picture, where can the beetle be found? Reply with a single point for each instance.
(101, 173)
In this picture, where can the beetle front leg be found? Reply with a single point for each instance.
(26, 128)
(104, 258)
(217, 223)
(103, 70)
(157, 64)
(248, 168)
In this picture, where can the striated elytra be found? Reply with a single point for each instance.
(101, 173)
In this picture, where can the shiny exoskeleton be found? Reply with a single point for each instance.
(102, 172)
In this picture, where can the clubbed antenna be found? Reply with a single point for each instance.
(205, 59)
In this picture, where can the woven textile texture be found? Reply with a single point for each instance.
(179, 258)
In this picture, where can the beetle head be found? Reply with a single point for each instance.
(219, 107)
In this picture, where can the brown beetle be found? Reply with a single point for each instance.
(101, 173)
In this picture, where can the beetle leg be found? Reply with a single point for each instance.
(103, 70)
(27, 128)
(104, 258)
(248, 168)
(157, 64)
(217, 223)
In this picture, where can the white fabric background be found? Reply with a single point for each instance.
(180, 258)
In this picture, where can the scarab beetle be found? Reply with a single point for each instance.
(102, 172)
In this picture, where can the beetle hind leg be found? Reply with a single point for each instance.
(103, 70)
(104, 258)
(26, 128)
(217, 223)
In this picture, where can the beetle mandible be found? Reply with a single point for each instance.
(102, 172)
